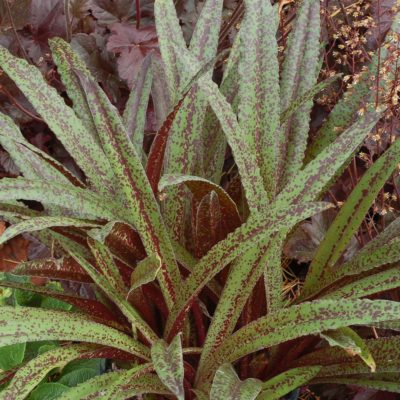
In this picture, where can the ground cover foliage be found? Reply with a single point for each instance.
(199, 199)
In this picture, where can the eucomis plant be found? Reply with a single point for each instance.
(172, 278)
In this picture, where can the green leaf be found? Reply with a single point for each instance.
(349, 340)
(259, 87)
(48, 391)
(227, 385)
(145, 272)
(136, 107)
(39, 223)
(297, 321)
(298, 77)
(115, 296)
(82, 203)
(350, 216)
(78, 376)
(144, 213)
(310, 182)
(168, 363)
(255, 232)
(296, 104)
(37, 324)
(284, 383)
(11, 355)
(34, 371)
(61, 120)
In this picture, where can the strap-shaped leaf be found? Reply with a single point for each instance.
(33, 324)
(81, 202)
(107, 266)
(168, 363)
(125, 307)
(284, 383)
(33, 372)
(296, 321)
(31, 161)
(249, 171)
(255, 231)
(39, 223)
(227, 385)
(259, 110)
(67, 62)
(298, 77)
(138, 195)
(373, 383)
(351, 342)
(351, 216)
(145, 272)
(314, 178)
(61, 120)
(136, 107)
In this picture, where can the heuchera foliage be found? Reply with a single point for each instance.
(165, 283)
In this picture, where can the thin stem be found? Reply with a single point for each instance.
(137, 14)
(25, 55)
(67, 21)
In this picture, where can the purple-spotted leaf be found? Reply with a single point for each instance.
(105, 282)
(257, 230)
(39, 223)
(145, 272)
(80, 202)
(350, 216)
(297, 321)
(168, 363)
(35, 324)
(138, 196)
(351, 342)
(33, 372)
(136, 107)
(284, 383)
(62, 121)
(258, 67)
(299, 75)
(227, 385)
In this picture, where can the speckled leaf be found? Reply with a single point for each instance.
(296, 321)
(138, 196)
(201, 187)
(258, 69)
(227, 385)
(61, 120)
(125, 307)
(33, 372)
(375, 384)
(351, 342)
(81, 202)
(168, 363)
(145, 272)
(296, 104)
(65, 268)
(298, 76)
(67, 62)
(362, 286)
(92, 307)
(33, 324)
(351, 216)
(282, 384)
(136, 107)
(170, 35)
(106, 265)
(117, 384)
(31, 161)
(310, 182)
(249, 171)
(39, 223)
(255, 231)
